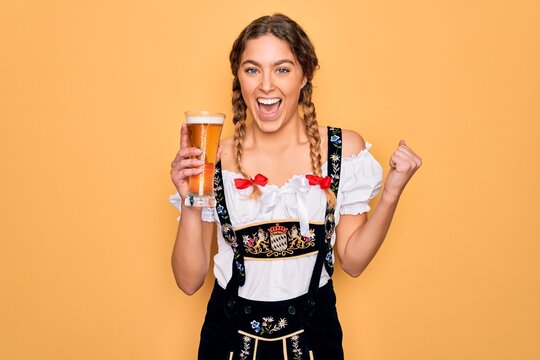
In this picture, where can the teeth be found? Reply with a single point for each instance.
(268, 101)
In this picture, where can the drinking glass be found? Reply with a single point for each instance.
(204, 128)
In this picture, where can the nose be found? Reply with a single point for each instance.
(267, 82)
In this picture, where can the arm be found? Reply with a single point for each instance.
(191, 253)
(358, 238)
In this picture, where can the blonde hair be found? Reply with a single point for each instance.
(288, 30)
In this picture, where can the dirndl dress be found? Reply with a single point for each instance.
(305, 327)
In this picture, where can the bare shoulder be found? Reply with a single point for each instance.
(227, 153)
(353, 143)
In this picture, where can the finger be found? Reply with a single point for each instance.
(394, 161)
(190, 172)
(403, 162)
(406, 149)
(401, 155)
(190, 152)
(177, 158)
(405, 154)
(189, 163)
(405, 146)
(183, 173)
(184, 137)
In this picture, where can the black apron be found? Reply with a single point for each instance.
(306, 327)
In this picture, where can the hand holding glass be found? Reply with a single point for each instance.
(204, 129)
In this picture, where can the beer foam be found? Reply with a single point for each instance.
(218, 120)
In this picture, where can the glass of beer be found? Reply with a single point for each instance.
(204, 128)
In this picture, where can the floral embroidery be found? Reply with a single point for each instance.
(248, 241)
(335, 139)
(311, 236)
(240, 267)
(219, 194)
(329, 257)
(247, 345)
(268, 326)
(220, 210)
(297, 352)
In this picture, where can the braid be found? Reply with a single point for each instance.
(239, 121)
(312, 130)
(285, 29)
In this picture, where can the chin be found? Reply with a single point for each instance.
(269, 126)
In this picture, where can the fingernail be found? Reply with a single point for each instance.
(198, 151)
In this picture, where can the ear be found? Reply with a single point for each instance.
(304, 82)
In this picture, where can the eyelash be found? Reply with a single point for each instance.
(281, 71)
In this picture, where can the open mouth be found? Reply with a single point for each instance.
(269, 107)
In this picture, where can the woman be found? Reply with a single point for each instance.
(284, 185)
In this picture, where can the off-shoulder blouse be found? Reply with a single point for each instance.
(281, 279)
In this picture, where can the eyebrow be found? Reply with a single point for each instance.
(279, 62)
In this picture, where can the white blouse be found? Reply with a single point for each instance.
(286, 278)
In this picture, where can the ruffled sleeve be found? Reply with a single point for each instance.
(207, 214)
(361, 180)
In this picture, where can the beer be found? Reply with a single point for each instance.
(204, 130)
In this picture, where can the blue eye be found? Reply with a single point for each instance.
(251, 70)
(283, 71)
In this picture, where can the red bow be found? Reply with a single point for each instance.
(323, 182)
(259, 179)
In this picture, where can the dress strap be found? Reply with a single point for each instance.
(325, 250)
(334, 171)
(334, 157)
(238, 269)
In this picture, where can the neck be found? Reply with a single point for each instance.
(292, 133)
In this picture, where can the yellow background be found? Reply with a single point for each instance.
(91, 99)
